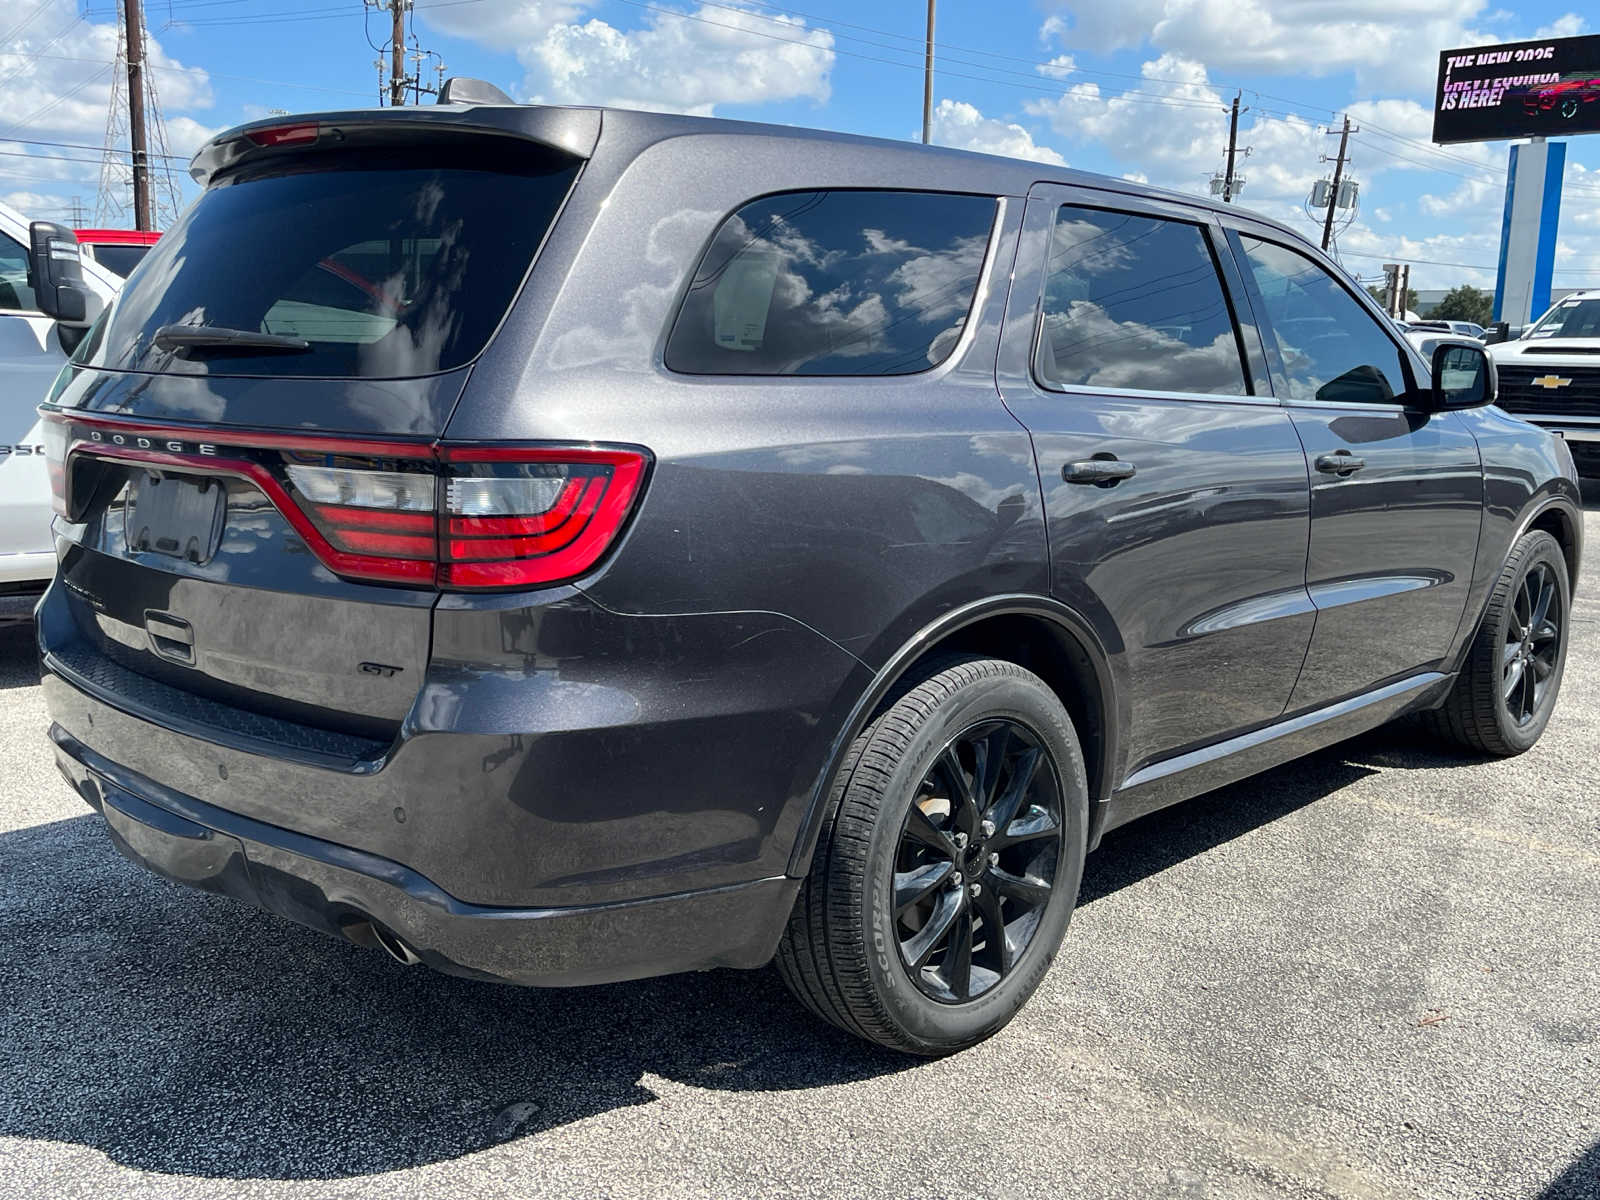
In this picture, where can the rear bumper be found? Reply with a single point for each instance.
(347, 892)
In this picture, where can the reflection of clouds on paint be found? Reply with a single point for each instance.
(1089, 348)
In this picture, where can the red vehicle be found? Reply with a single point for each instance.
(1566, 98)
(118, 250)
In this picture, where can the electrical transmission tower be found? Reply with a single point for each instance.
(135, 134)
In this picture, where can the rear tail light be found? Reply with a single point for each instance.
(456, 517)
(516, 518)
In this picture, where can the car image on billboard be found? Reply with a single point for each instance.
(1520, 89)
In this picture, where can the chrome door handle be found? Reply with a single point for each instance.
(1341, 462)
(1102, 472)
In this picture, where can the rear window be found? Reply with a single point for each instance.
(834, 283)
(389, 264)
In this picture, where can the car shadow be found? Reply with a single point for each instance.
(19, 655)
(1580, 1181)
(183, 1033)
(1166, 838)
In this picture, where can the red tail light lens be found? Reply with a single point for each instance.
(530, 517)
(454, 517)
(366, 511)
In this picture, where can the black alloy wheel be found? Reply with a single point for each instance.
(976, 860)
(1510, 678)
(948, 863)
(1533, 643)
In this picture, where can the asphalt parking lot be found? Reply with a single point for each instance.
(1374, 973)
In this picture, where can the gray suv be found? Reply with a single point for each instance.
(559, 545)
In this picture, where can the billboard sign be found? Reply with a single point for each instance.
(1548, 88)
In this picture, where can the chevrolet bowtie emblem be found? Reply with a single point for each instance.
(1552, 382)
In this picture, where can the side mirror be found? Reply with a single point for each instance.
(55, 272)
(1463, 377)
(1500, 331)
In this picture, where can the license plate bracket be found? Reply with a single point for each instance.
(175, 515)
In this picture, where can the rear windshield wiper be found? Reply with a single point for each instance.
(220, 337)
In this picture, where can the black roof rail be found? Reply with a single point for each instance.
(462, 89)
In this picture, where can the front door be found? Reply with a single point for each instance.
(1396, 490)
(1174, 483)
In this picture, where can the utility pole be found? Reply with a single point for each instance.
(1338, 178)
(397, 53)
(1405, 290)
(133, 34)
(927, 82)
(1233, 142)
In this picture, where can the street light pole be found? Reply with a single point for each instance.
(927, 83)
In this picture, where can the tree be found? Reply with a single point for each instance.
(1465, 303)
(1379, 293)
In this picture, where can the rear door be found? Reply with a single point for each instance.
(1396, 490)
(1174, 484)
(253, 494)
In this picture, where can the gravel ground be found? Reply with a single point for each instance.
(1373, 973)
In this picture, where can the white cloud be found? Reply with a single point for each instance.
(1058, 67)
(963, 127)
(680, 60)
(1394, 43)
(1570, 25)
(1176, 138)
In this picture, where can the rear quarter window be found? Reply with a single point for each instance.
(834, 283)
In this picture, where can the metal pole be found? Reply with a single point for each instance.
(133, 33)
(927, 83)
(1338, 178)
(1233, 140)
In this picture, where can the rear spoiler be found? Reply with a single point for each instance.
(573, 131)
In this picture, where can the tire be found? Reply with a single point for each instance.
(899, 810)
(1478, 714)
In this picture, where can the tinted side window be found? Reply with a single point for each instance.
(15, 294)
(1135, 302)
(1331, 350)
(834, 283)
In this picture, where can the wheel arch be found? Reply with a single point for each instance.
(1038, 633)
(1566, 526)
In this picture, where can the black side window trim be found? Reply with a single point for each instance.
(1269, 337)
(1209, 231)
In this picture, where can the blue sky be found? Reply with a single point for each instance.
(1132, 88)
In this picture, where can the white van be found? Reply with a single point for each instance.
(30, 356)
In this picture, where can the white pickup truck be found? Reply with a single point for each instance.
(31, 354)
(1551, 375)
